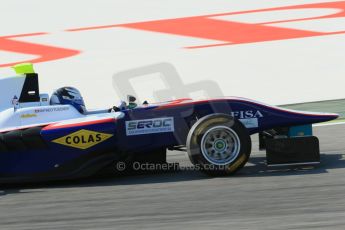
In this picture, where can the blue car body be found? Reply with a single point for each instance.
(56, 160)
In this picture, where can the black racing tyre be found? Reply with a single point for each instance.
(219, 145)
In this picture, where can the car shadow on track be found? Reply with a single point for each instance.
(112, 180)
(9, 190)
(256, 167)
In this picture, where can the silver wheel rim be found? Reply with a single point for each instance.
(220, 145)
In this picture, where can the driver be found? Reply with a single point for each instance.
(68, 96)
(72, 96)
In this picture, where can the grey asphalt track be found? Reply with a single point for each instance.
(256, 198)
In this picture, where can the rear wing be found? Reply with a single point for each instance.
(21, 89)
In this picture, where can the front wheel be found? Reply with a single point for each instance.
(218, 144)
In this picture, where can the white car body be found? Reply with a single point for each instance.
(16, 115)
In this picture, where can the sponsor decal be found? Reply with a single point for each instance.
(247, 114)
(250, 122)
(149, 126)
(249, 118)
(83, 139)
(49, 110)
(28, 115)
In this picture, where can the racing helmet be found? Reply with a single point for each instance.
(68, 96)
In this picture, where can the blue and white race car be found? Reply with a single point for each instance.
(54, 137)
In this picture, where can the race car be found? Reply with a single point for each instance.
(54, 137)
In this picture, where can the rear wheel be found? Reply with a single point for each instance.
(218, 144)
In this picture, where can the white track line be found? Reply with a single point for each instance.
(329, 124)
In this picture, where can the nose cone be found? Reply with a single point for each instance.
(314, 117)
(326, 117)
